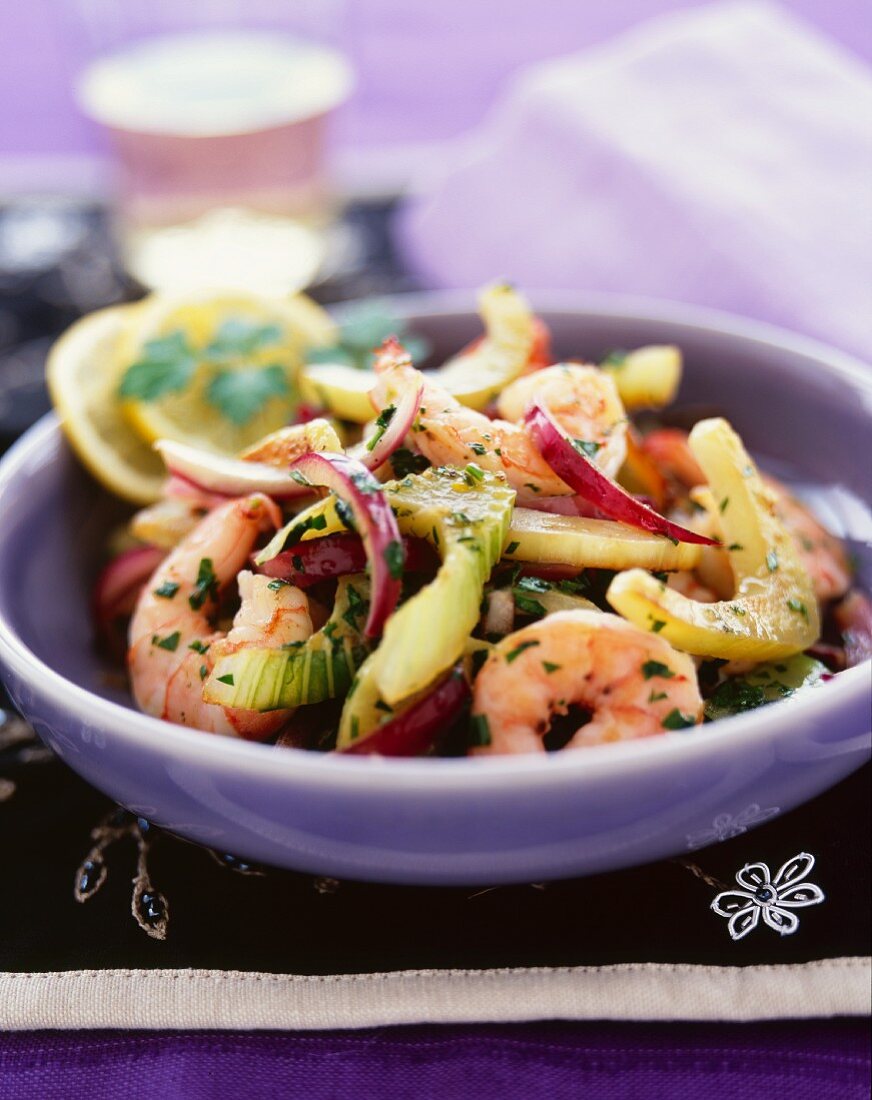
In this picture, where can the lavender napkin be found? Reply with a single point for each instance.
(721, 156)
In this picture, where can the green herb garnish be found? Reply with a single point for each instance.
(657, 668)
(167, 590)
(675, 720)
(170, 642)
(205, 586)
(479, 730)
(167, 365)
(395, 559)
(382, 421)
(518, 650)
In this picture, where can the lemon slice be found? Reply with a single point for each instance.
(250, 347)
(342, 389)
(82, 373)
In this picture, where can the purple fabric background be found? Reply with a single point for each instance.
(827, 1060)
(425, 70)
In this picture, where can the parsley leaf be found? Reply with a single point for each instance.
(166, 365)
(479, 730)
(240, 394)
(395, 559)
(675, 720)
(657, 668)
(586, 447)
(205, 586)
(237, 338)
(518, 650)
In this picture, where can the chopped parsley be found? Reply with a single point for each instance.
(615, 359)
(479, 730)
(657, 625)
(586, 447)
(772, 561)
(228, 679)
(675, 720)
(533, 584)
(798, 606)
(478, 448)
(735, 696)
(722, 507)
(198, 646)
(170, 642)
(518, 650)
(318, 523)
(276, 584)
(205, 586)
(167, 590)
(550, 667)
(381, 423)
(735, 546)
(204, 672)
(657, 668)
(656, 696)
(357, 606)
(405, 462)
(511, 548)
(573, 585)
(395, 559)
(346, 515)
(527, 605)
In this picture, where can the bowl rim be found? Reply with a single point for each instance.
(463, 773)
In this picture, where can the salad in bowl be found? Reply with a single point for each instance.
(505, 554)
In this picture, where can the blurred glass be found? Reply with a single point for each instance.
(218, 122)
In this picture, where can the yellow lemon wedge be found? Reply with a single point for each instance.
(216, 370)
(82, 374)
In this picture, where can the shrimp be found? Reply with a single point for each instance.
(450, 434)
(585, 403)
(822, 554)
(633, 683)
(172, 641)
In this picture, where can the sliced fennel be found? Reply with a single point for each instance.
(774, 612)
(465, 515)
(259, 678)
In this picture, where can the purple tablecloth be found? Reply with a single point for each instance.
(825, 1060)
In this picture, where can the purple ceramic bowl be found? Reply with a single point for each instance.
(802, 409)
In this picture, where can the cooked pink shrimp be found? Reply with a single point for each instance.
(633, 683)
(822, 554)
(449, 434)
(172, 641)
(583, 400)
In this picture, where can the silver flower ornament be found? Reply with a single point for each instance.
(771, 898)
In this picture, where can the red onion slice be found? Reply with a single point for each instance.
(224, 476)
(315, 560)
(119, 583)
(581, 475)
(414, 731)
(391, 429)
(352, 482)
